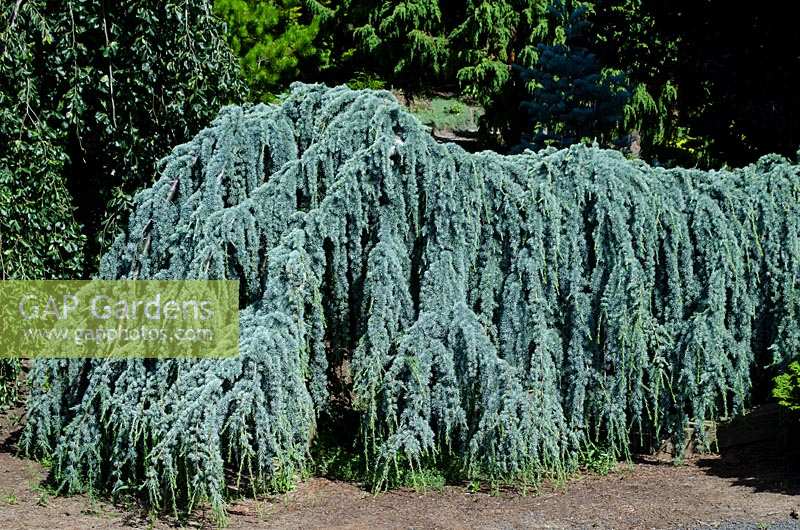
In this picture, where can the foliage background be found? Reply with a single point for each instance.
(93, 94)
(705, 85)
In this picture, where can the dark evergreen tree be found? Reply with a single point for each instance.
(711, 85)
(405, 39)
(738, 71)
(625, 35)
(573, 98)
(494, 35)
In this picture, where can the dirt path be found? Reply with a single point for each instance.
(645, 495)
(705, 492)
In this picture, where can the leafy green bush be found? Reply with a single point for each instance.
(787, 387)
(92, 94)
(425, 479)
(364, 80)
(597, 459)
(495, 314)
(9, 387)
(39, 237)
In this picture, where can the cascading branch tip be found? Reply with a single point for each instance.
(493, 312)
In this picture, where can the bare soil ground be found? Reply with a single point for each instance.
(707, 491)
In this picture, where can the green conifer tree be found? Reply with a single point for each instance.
(273, 40)
(573, 98)
(406, 39)
(493, 36)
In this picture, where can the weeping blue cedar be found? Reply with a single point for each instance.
(497, 311)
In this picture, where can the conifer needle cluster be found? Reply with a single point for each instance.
(495, 313)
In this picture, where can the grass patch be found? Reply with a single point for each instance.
(597, 459)
(447, 113)
(424, 480)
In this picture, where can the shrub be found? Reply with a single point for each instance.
(9, 387)
(496, 312)
(364, 80)
(597, 460)
(39, 237)
(787, 387)
(92, 94)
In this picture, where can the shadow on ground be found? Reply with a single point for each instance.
(760, 450)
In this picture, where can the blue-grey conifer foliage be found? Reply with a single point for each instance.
(495, 311)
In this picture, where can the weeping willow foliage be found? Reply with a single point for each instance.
(9, 386)
(496, 312)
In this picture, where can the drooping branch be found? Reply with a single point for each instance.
(498, 311)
